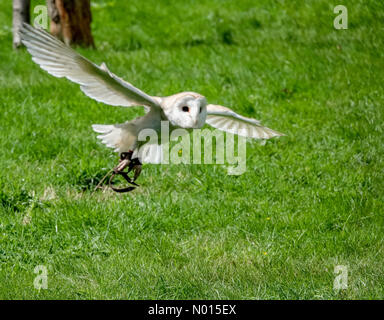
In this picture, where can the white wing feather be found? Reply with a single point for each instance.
(225, 119)
(96, 82)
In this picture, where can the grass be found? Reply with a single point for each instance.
(307, 202)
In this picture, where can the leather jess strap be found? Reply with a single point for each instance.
(125, 161)
(126, 177)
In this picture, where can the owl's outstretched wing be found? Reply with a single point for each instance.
(96, 82)
(225, 119)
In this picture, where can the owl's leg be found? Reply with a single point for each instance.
(133, 165)
(125, 160)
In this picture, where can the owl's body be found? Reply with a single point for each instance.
(124, 137)
(188, 110)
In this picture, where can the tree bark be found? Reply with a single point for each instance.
(20, 15)
(71, 21)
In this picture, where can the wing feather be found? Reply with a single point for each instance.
(225, 119)
(96, 82)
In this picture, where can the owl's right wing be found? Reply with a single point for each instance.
(225, 119)
(96, 82)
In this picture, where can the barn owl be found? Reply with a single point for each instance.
(187, 110)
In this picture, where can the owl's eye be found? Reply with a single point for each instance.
(185, 109)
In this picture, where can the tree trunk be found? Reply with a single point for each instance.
(71, 21)
(20, 15)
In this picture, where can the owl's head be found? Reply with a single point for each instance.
(186, 110)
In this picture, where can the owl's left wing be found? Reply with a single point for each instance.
(225, 119)
(97, 82)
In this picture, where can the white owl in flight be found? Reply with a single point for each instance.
(187, 110)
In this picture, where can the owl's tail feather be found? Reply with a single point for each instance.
(111, 135)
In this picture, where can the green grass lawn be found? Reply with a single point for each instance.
(308, 202)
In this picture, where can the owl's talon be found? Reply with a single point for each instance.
(137, 170)
(135, 166)
(121, 166)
